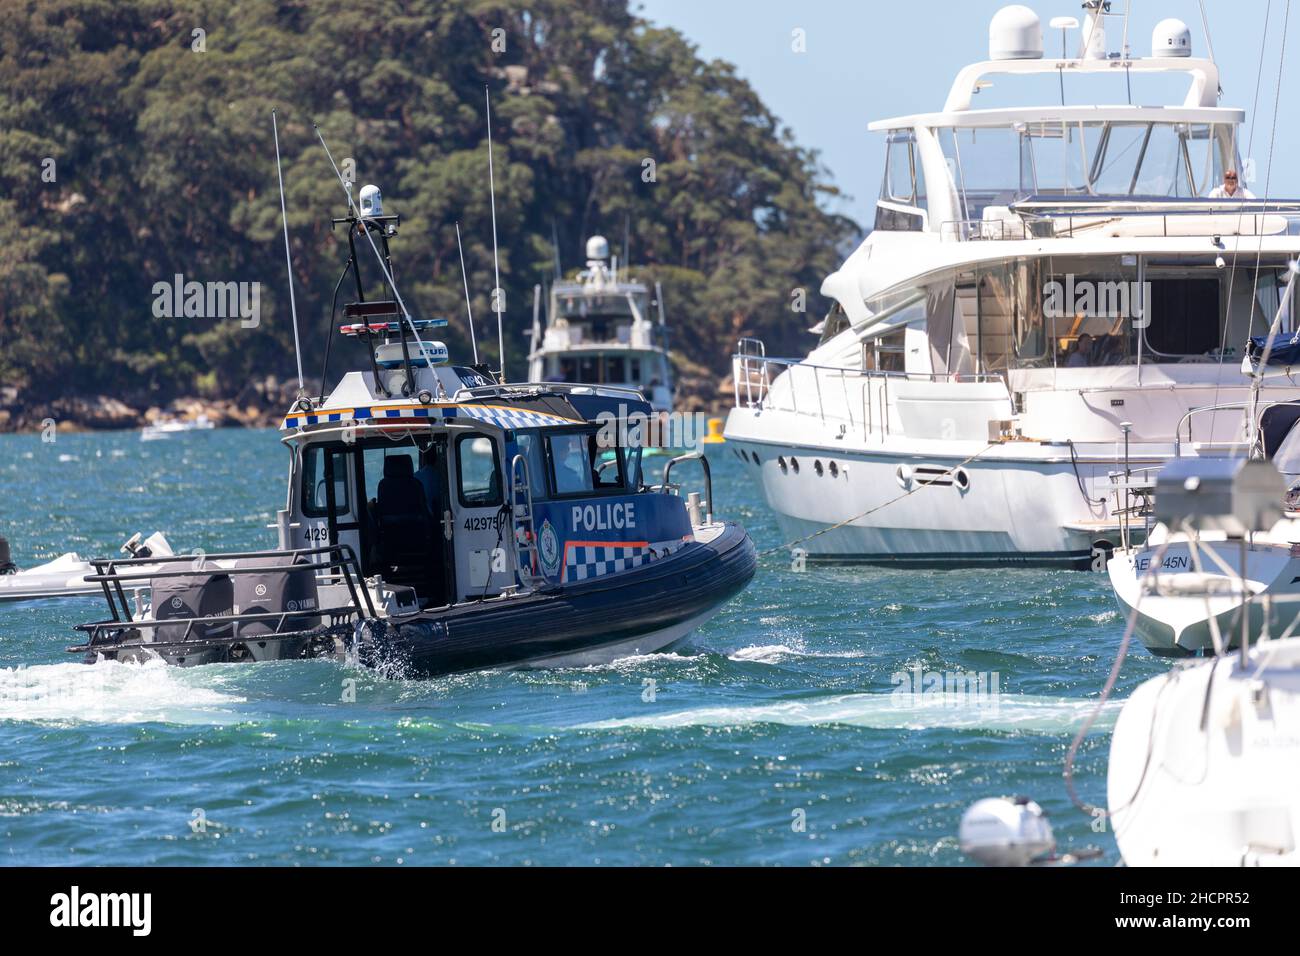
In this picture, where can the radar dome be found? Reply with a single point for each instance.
(1171, 38)
(597, 247)
(1016, 33)
(372, 203)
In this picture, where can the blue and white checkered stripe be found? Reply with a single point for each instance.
(499, 416)
(583, 562)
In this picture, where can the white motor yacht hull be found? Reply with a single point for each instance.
(1003, 507)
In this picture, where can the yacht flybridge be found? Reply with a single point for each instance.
(600, 330)
(1045, 289)
(439, 520)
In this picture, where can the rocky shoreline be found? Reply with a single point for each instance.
(258, 405)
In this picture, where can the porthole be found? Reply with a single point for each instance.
(781, 463)
(961, 479)
(794, 463)
(817, 467)
(754, 455)
(904, 475)
(835, 470)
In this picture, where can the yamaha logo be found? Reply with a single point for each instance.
(260, 590)
(177, 604)
(291, 606)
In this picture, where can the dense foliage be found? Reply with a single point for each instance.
(133, 148)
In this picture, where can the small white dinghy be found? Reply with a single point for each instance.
(65, 576)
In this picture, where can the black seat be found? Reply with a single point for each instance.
(401, 516)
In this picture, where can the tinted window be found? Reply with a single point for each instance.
(315, 498)
(479, 472)
(571, 461)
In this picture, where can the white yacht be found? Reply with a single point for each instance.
(1046, 289)
(599, 331)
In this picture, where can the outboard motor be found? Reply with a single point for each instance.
(7, 565)
(275, 592)
(193, 597)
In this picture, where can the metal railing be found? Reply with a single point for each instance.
(1229, 218)
(699, 456)
(1238, 406)
(329, 564)
(753, 373)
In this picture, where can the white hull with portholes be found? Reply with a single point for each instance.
(1049, 294)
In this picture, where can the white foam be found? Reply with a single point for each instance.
(774, 653)
(113, 693)
(1050, 715)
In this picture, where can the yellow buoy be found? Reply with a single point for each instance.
(714, 437)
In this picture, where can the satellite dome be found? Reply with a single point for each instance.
(372, 203)
(1171, 37)
(1016, 33)
(597, 247)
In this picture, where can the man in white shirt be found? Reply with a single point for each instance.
(1231, 189)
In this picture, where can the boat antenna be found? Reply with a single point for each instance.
(464, 278)
(352, 208)
(627, 255)
(288, 260)
(496, 261)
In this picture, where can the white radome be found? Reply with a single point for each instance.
(1171, 37)
(372, 202)
(597, 247)
(1016, 33)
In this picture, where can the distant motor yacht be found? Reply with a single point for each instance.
(600, 331)
(1045, 289)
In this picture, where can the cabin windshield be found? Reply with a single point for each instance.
(1077, 159)
(1073, 312)
(602, 317)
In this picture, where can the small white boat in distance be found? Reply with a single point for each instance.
(599, 331)
(65, 576)
(168, 427)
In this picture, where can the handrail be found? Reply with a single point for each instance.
(1238, 406)
(340, 556)
(699, 456)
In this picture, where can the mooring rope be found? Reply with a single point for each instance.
(790, 545)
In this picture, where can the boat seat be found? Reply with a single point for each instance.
(402, 516)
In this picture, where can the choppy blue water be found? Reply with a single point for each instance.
(780, 712)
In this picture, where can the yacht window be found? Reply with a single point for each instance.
(904, 181)
(588, 370)
(479, 471)
(315, 498)
(836, 322)
(886, 353)
(615, 369)
(608, 459)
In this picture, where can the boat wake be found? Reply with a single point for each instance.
(776, 653)
(1044, 715)
(114, 693)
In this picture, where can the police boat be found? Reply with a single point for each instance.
(440, 520)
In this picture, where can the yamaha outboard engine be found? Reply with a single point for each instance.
(7, 565)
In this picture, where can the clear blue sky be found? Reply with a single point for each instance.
(872, 60)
